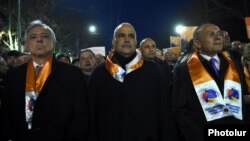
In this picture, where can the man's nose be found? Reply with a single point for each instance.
(127, 38)
(151, 48)
(39, 39)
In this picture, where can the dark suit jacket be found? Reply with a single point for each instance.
(60, 113)
(187, 109)
(132, 110)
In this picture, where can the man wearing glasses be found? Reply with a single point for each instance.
(207, 88)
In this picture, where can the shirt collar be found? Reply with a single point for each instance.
(35, 64)
(209, 57)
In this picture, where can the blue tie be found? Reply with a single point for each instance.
(37, 69)
(213, 62)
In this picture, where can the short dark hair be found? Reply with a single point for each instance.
(62, 55)
(75, 60)
(13, 53)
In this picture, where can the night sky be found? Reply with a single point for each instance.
(151, 18)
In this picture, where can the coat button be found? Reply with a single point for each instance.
(225, 110)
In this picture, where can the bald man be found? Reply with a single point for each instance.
(129, 101)
(207, 87)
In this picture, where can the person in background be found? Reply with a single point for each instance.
(186, 54)
(246, 67)
(23, 58)
(170, 57)
(228, 49)
(76, 62)
(63, 58)
(148, 49)
(87, 63)
(159, 54)
(238, 46)
(40, 102)
(3, 71)
(99, 58)
(11, 59)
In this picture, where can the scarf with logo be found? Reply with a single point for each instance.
(34, 85)
(117, 72)
(214, 105)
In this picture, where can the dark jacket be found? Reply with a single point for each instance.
(60, 113)
(132, 110)
(187, 109)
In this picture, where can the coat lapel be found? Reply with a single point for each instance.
(47, 83)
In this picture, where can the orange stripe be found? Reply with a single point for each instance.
(36, 84)
(232, 73)
(199, 74)
(197, 71)
(247, 77)
(30, 77)
(247, 21)
(111, 67)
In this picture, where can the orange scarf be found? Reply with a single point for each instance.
(214, 104)
(117, 71)
(34, 83)
(199, 74)
(247, 77)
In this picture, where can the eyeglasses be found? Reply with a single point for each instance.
(213, 34)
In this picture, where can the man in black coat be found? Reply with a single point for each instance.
(148, 50)
(47, 104)
(206, 94)
(127, 93)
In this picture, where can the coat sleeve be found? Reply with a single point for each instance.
(189, 128)
(7, 122)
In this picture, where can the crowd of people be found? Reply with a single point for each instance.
(132, 94)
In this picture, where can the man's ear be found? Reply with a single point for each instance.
(197, 44)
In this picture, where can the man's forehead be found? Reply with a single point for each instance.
(210, 27)
(86, 53)
(126, 30)
(149, 41)
(38, 28)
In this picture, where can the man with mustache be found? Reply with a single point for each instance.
(127, 93)
(207, 87)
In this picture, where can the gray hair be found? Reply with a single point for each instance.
(36, 23)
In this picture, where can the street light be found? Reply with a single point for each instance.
(92, 29)
(179, 29)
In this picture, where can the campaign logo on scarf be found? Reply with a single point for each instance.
(233, 94)
(34, 85)
(216, 104)
(209, 96)
(30, 99)
(117, 72)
